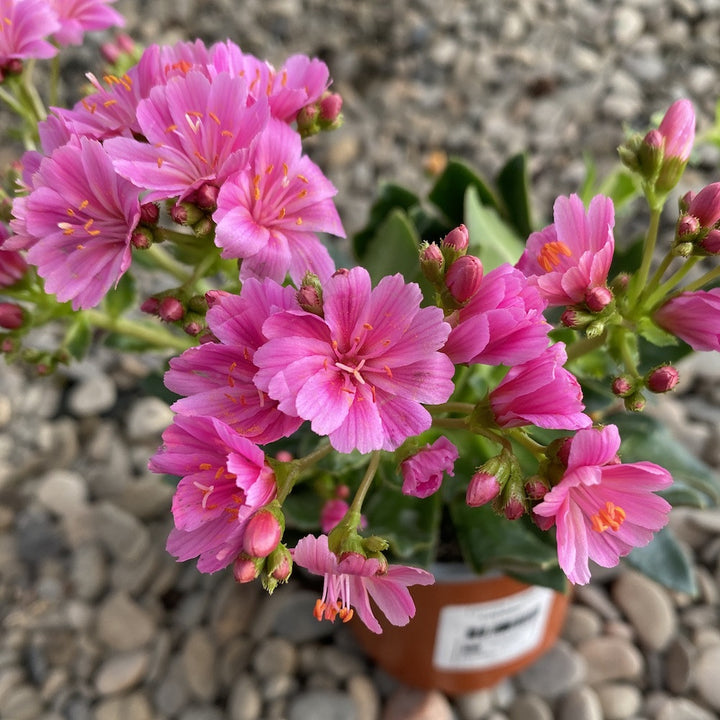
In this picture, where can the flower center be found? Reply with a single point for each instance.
(354, 371)
(610, 517)
(551, 254)
(335, 599)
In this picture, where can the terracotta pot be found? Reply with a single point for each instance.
(469, 631)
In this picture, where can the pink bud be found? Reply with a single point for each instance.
(482, 489)
(262, 534)
(11, 316)
(514, 508)
(281, 572)
(598, 298)
(330, 107)
(458, 239)
(110, 52)
(678, 130)
(309, 299)
(215, 296)
(705, 206)
(140, 240)
(711, 242)
(563, 451)
(170, 309)
(151, 306)
(244, 569)
(572, 318)
(193, 328)
(206, 196)
(464, 277)
(125, 43)
(283, 456)
(536, 489)
(431, 254)
(662, 379)
(8, 345)
(149, 213)
(653, 139)
(622, 387)
(688, 225)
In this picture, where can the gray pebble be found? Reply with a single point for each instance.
(707, 675)
(245, 702)
(122, 624)
(619, 700)
(275, 656)
(135, 706)
(121, 672)
(580, 704)
(93, 395)
(530, 707)
(198, 659)
(683, 709)
(555, 673)
(611, 658)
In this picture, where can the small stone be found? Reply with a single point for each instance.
(678, 665)
(475, 705)
(410, 704)
(648, 607)
(22, 702)
(145, 498)
(337, 663)
(324, 705)
(683, 709)
(93, 395)
(619, 700)
(555, 673)
(580, 704)
(597, 598)
(123, 535)
(121, 672)
(172, 694)
(245, 702)
(581, 624)
(530, 707)
(130, 707)
(707, 675)
(122, 624)
(611, 658)
(628, 24)
(62, 492)
(198, 659)
(233, 608)
(290, 615)
(275, 656)
(147, 419)
(365, 697)
(88, 571)
(234, 659)
(277, 687)
(202, 712)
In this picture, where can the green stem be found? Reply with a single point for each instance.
(671, 282)
(310, 459)
(167, 262)
(708, 277)
(31, 93)
(648, 252)
(450, 423)
(522, 438)
(153, 335)
(626, 355)
(54, 80)
(365, 483)
(655, 279)
(584, 345)
(457, 407)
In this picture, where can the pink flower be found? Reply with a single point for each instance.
(602, 507)
(423, 472)
(502, 324)
(349, 583)
(81, 215)
(78, 16)
(225, 480)
(269, 214)
(26, 24)
(198, 131)
(705, 205)
(333, 512)
(693, 317)
(678, 130)
(360, 373)
(540, 392)
(12, 263)
(572, 255)
(217, 378)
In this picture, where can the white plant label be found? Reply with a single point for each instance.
(483, 635)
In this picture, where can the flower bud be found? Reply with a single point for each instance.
(149, 213)
(514, 507)
(598, 298)
(678, 130)
(279, 563)
(151, 306)
(595, 329)
(683, 249)
(11, 316)
(246, 569)
(536, 488)
(110, 52)
(193, 328)
(186, 213)
(711, 242)
(206, 197)
(262, 534)
(464, 277)
(662, 379)
(574, 318)
(212, 297)
(330, 108)
(310, 294)
(482, 488)
(170, 309)
(307, 120)
(432, 262)
(141, 239)
(635, 402)
(623, 386)
(457, 239)
(687, 225)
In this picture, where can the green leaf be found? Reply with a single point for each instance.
(645, 438)
(391, 197)
(449, 190)
(394, 249)
(302, 509)
(120, 298)
(78, 337)
(491, 238)
(512, 183)
(663, 560)
(654, 334)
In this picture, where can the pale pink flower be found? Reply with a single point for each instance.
(197, 130)
(573, 255)
(269, 214)
(361, 373)
(81, 215)
(25, 26)
(677, 129)
(502, 324)
(603, 508)
(423, 471)
(79, 16)
(693, 317)
(217, 378)
(540, 392)
(225, 481)
(350, 582)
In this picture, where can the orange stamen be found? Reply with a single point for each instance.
(550, 254)
(610, 517)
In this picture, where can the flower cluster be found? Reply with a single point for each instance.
(352, 394)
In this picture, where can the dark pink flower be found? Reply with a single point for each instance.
(269, 214)
(540, 392)
(423, 471)
(361, 373)
(79, 16)
(12, 263)
(603, 508)
(81, 215)
(502, 324)
(572, 255)
(198, 131)
(705, 205)
(25, 27)
(225, 481)
(217, 378)
(694, 317)
(352, 580)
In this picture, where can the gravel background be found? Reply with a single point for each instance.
(99, 623)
